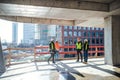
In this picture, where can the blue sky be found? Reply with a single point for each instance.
(6, 31)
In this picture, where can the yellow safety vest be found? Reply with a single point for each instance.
(79, 46)
(86, 46)
(52, 45)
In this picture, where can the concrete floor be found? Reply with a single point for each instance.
(62, 70)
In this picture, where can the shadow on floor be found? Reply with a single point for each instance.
(1, 74)
(106, 70)
(64, 70)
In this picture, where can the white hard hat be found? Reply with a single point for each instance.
(52, 39)
(86, 40)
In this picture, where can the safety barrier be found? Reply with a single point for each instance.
(9, 55)
(35, 52)
(95, 51)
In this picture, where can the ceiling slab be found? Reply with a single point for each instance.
(66, 12)
(69, 4)
(100, 1)
(48, 12)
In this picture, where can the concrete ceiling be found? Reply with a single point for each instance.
(48, 12)
(79, 16)
(100, 1)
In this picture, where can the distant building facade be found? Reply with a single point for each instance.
(95, 36)
(14, 33)
(28, 33)
(52, 32)
(43, 34)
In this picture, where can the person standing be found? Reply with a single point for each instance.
(86, 48)
(51, 50)
(79, 49)
(57, 47)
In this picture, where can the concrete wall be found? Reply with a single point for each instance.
(112, 40)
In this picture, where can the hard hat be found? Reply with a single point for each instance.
(86, 40)
(52, 39)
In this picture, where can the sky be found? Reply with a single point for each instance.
(6, 31)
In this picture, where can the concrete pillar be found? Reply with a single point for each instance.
(112, 40)
(2, 61)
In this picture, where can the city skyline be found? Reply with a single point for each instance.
(6, 34)
(6, 31)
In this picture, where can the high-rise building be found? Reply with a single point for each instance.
(37, 34)
(95, 36)
(28, 33)
(41, 34)
(59, 34)
(14, 33)
(52, 32)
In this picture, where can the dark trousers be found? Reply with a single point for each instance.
(56, 55)
(79, 53)
(52, 56)
(85, 55)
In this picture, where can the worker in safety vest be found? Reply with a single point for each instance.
(79, 49)
(57, 47)
(86, 48)
(51, 50)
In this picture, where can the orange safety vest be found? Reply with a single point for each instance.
(57, 46)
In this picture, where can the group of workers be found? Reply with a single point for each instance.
(54, 48)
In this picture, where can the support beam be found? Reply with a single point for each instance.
(112, 40)
(38, 20)
(95, 22)
(70, 4)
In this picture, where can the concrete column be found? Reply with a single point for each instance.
(112, 40)
(2, 64)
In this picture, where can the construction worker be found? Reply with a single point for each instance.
(79, 49)
(86, 48)
(51, 50)
(57, 47)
